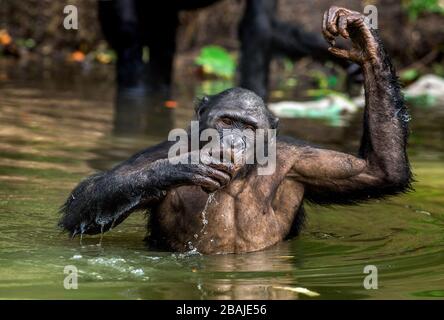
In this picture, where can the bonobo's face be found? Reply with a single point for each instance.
(236, 114)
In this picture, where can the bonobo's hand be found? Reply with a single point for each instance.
(350, 24)
(210, 173)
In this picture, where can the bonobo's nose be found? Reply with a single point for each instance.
(234, 142)
(234, 146)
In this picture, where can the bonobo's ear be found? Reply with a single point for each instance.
(272, 119)
(200, 105)
(275, 123)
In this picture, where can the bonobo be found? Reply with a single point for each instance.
(249, 211)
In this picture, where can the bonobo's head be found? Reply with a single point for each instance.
(236, 114)
(235, 108)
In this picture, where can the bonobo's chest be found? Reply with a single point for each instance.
(248, 215)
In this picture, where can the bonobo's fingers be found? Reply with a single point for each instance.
(227, 167)
(341, 53)
(338, 20)
(349, 24)
(219, 176)
(214, 160)
(327, 35)
(209, 172)
(193, 174)
(206, 183)
(332, 20)
(342, 26)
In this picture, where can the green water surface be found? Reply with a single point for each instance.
(54, 133)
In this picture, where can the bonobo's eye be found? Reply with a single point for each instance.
(249, 127)
(226, 121)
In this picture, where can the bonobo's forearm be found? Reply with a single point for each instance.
(385, 118)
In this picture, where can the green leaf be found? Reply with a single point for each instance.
(409, 75)
(332, 81)
(217, 61)
(415, 8)
(210, 87)
(424, 100)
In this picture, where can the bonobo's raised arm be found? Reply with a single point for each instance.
(382, 167)
(104, 200)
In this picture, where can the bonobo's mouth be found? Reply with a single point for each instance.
(234, 148)
(238, 148)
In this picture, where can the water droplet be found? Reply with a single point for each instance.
(101, 235)
(112, 224)
(82, 231)
(210, 199)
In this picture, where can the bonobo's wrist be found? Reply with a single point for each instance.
(150, 187)
(376, 56)
(379, 65)
(157, 177)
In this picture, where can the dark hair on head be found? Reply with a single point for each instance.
(201, 103)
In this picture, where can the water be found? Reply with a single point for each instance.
(55, 132)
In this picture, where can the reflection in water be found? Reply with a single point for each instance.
(53, 134)
(142, 115)
(240, 286)
(141, 120)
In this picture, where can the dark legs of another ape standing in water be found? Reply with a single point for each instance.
(255, 34)
(129, 25)
(161, 24)
(120, 26)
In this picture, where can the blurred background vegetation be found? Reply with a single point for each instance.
(413, 31)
